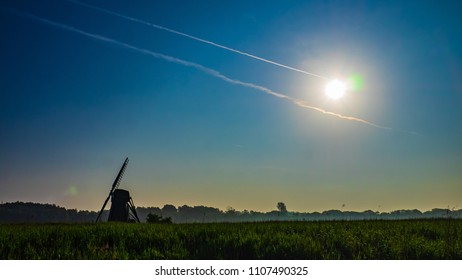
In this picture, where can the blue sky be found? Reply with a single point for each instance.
(73, 107)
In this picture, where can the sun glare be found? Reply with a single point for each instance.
(335, 89)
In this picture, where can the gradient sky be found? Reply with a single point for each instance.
(73, 107)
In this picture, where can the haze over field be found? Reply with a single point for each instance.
(226, 105)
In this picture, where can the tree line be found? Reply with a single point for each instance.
(28, 212)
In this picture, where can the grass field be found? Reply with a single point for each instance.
(418, 239)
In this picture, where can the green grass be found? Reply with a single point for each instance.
(421, 239)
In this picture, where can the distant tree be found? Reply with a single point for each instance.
(282, 208)
(144, 211)
(230, 211)
(185, 214)
(169, 211)
(156, 219)
(197, 214)
(230, 214)
(169, 208)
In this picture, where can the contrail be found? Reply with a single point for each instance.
(194, 38)
(197, 66)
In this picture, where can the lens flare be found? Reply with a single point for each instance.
(72, 191)
(356, 81)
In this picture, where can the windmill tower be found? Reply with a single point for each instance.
(122, 206)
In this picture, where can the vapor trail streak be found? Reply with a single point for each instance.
(204, 69)
(193, 37)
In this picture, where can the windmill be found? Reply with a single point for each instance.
(122, 206)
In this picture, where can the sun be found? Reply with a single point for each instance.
(335, 89)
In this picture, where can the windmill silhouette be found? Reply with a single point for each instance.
(122, 206)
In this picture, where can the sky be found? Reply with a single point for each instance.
(81, 89)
